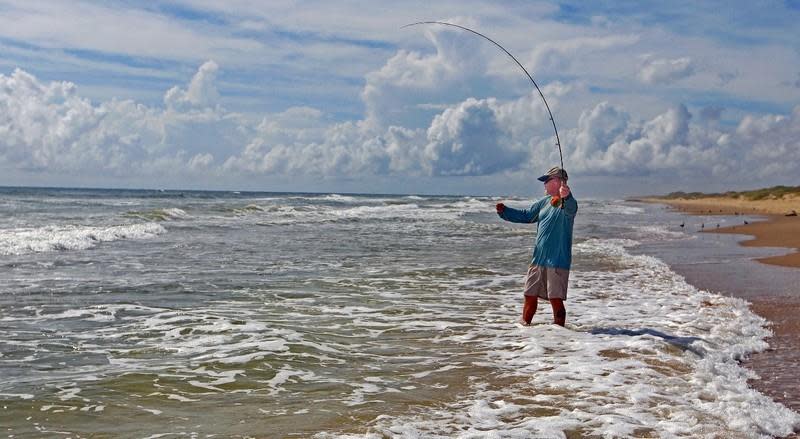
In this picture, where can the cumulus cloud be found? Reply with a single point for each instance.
(469, 140)
(608, 141)
(773, 145)
(49, 127)
(393, 94)
(45, 126)
(473, 137)
(665, 71)
(201, 92)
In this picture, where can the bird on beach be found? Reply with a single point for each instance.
(682, 224)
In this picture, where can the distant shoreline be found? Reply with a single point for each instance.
(778, 230)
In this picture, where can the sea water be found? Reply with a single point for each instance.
(194, 314)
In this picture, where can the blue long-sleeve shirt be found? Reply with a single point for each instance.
(554, 237)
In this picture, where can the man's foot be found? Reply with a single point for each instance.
(523, 322)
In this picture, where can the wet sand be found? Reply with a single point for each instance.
(778, 230)
(771, 285)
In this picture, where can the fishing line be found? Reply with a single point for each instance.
(550, 114)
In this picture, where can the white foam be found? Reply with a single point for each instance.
(618, 207)
(163, 214)
(95, 313)
(180, 398)
(72, 237)
(284, 376)
(342, 198)
(319, 209)
(174, 213)
(17, 395)
(659, 233)
(644, 351)
(219, 378)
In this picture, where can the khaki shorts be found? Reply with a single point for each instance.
(546, 282)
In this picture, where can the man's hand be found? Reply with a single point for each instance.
(563, 191)
(500, 208)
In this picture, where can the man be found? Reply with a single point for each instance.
(552, 256)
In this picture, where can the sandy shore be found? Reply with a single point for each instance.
(778, 230)
(728, 205)
(775, 301)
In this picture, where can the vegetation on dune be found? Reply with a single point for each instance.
(770, 193)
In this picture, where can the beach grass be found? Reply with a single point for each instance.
(774, 193)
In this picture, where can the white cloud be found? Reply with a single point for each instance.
(665, 71)
(558, 54)
(346, 150)
(772, 144)
(201, 92)
(40, 125)
(392, 94)
(469, 140)
(50, 127)
(200, 162)
(609, 142)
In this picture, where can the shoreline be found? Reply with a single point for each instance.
(771, 286)
(777, 230)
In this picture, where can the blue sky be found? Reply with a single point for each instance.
(649, 97)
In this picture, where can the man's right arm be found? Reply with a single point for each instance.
(519, 215)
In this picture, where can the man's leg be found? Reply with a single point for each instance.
(535, 283)
(529, 309)
(559, 312)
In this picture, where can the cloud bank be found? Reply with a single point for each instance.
(420, 121)
(50, 127)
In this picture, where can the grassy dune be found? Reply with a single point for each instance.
(771, 193)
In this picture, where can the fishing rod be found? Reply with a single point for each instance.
(550, 114)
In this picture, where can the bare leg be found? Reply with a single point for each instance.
(559, 312)
(529, 309)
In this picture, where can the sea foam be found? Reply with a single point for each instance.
(72, 237)
(644, 353)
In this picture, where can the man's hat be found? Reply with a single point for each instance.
(555, 171)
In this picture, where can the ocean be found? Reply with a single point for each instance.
(140, 313)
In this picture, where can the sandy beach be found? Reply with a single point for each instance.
(778, 230)
(777, 298)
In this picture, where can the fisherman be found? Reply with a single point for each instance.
(552, 256)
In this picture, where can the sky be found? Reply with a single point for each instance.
(337, 96)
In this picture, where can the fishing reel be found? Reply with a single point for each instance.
(557, 201)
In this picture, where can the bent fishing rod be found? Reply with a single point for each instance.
(550, 114)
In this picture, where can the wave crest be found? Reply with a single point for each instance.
(52, 238)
